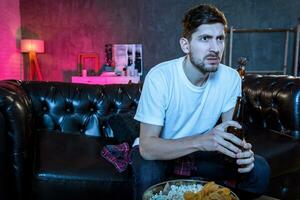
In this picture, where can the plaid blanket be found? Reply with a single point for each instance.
(119, 156)
(184, 166)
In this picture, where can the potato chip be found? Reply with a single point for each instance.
(210, 191)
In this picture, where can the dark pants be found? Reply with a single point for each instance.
(208, 166)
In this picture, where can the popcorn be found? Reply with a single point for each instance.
(176, 192)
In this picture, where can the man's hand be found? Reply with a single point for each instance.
(245, 159)
(219, 140)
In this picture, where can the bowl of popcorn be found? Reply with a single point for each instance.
(187, 189)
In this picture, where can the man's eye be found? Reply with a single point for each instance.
(204, 38)
(220, 38)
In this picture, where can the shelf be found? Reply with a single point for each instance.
(105, 80)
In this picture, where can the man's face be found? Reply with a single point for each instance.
(206, 47)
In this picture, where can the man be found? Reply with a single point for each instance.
(180, 104)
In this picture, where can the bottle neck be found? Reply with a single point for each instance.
(238, 110)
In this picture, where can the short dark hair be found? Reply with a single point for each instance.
(201, 14)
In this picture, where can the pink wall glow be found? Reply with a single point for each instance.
(70, 28)
(10, 56)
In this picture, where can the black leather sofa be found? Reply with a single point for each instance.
(52, 133)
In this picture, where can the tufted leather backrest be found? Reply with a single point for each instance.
(273, 102)
(78, 108)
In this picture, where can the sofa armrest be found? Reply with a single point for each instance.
(3, 160)
(15, 109)
(273, 102)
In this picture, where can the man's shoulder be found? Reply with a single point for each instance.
(225, 75)
(227, 68)
(224, 69)
(165, 67)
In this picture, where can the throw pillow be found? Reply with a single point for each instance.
(125, 128)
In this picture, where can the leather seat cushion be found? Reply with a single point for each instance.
(281, 151)
(72, 165)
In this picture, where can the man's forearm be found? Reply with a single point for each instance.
(155, 148)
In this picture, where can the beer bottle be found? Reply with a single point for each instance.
(240, 102)
(239, 132)
(237, 116)
(241, 68)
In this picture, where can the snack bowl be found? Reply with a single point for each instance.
(174, 189)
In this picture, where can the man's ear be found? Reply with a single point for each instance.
(185, 45)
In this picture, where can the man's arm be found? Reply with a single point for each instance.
(227, 115)
(152, 147)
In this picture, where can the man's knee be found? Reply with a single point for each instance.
(261, 173)
(145, 173)
(258, 179)
(263, 170)
(147, 170)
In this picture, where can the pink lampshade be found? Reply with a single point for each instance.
(28, 45)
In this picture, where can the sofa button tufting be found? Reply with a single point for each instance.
(44, 108)
(92, 109)
(68, 110)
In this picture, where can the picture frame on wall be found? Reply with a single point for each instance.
(88, 62)
(125, 55)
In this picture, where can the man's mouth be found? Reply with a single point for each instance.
(213, 59)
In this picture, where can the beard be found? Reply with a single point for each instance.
(202, 66)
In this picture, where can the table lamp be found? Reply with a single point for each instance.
(32, 47)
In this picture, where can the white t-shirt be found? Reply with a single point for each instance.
(170, 100)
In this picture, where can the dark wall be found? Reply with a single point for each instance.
(73, 26)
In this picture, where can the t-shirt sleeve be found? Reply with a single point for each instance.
(234, 90)
(152, 103)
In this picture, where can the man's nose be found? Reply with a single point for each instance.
(214, 46)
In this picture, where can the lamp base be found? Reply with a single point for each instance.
(34, 67)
